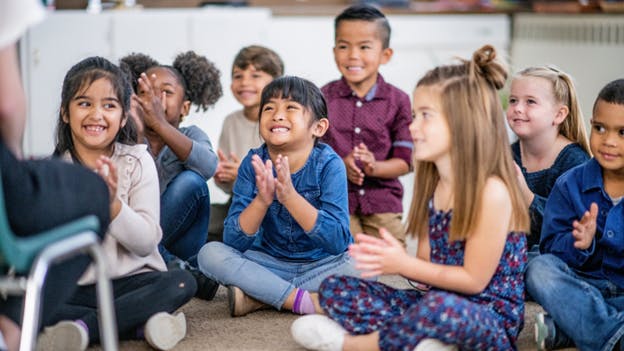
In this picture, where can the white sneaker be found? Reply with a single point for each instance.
(63, 336)
(434, 345)
(318, 332)
(164, 331)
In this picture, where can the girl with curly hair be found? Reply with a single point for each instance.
(184, 156)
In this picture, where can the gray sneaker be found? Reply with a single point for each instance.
(164, 331)
(63, 336)
(548, 336)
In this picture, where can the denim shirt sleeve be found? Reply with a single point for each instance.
(564, 205)
(243, 193)
(202, 158)
(331, 230)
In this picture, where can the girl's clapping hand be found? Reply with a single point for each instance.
(265, 181)
(283, 187)
(377, 256)
(107, 170)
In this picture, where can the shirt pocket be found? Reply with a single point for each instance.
(313, 196)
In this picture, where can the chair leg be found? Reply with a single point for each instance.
(58, 251)
(108, 326)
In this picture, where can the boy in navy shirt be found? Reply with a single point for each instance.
(579, 278)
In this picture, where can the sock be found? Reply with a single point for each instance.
(303, 302)
(81, 323)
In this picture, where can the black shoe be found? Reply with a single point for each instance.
(206, 287)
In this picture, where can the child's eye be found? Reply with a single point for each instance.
(292, 107)
(413, 115)
(342, 47)
(598, 128)
(513, 100)
(110, 105)
(365, 47)
(531, 101)
(256, 76)
(621, 132)
(237, 76)
(267, 108)
(83, 103)
(168, 92)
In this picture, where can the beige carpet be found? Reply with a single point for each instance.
(210, 327)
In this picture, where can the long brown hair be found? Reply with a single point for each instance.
(479, 144)
(573, 127)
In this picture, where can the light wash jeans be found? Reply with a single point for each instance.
(589, 310)
(266, 278)
(184, 216)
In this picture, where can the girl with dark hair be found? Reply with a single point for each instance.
(94, 130)
(288, 226)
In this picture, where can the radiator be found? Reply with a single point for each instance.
(588, 47)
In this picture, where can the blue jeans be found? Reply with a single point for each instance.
(589, 310)
(184, 216)
(267, 278)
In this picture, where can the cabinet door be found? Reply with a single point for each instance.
(48, 52)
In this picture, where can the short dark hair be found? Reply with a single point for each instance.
(299, 90)
(612, 93)
(261, 58)
(364, 12)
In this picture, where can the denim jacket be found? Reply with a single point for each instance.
(572, 195)
(322, 181)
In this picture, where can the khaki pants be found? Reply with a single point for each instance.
(372, 223)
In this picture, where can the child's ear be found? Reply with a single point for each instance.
(320, 127)
(124, 120)
(561, 115)
(64, 115)
(186, 108)
(386, 55)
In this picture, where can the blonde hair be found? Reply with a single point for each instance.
(479, 144)
(573, 127)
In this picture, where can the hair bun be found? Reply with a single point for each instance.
(485, 65)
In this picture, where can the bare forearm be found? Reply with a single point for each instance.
(451, 278)
(12, 101)
(391, 168)
(179, 143)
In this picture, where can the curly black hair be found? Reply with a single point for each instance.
(200, 78)
(134, 64)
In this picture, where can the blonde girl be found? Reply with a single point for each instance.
(469, 216)
(544, 113)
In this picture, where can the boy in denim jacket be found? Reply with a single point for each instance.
(579, 278)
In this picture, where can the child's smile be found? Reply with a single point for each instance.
(95, 116)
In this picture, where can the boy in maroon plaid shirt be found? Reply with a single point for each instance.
(369, 121)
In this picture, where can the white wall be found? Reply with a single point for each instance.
(420, 42)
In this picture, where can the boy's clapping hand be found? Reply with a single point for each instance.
(365, 156)
(585, 229)
(354, 173)
(227, 170)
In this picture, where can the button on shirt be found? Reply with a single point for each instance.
(572, 195)
(381, 121)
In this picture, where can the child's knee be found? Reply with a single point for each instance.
(211, 257)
